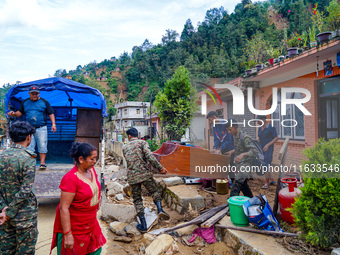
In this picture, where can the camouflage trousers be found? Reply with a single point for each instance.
(240, 183)
(18, 237)
(151, 187)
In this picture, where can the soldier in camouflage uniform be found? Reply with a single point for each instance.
(245, 152)
(18, 204)
(138, 155)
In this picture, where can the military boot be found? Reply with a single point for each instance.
(142, 226)
(161, 214)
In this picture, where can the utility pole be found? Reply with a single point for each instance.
(150, 118)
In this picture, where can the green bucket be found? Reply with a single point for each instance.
(237, 216)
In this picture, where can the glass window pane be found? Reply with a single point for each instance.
(329, 113)
(287, 131)
(299, 117)
(277, 120)
(334, 114)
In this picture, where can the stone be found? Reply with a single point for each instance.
(173, 249)
(149, 237)
(112, 169)
(160, 245)
(335, 251)
(118, 228)
(124, 239)
(186, 230)
(172, 181)
(131, 230)
(118, 212)
(182, 196)
(115, 186)
(119, 197)
(111, 193)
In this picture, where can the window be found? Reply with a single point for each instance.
(138, 111)
(125, 123)
(292, 113)
(125, 111)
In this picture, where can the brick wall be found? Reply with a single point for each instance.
(295, 147)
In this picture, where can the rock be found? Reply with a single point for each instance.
(111, 193)
(179, 197)
(124, 239)
(149, 237)
(112, 168)
(115, 186)
(335, 251)
(119, 197)
(160, 245)
(173, 249)
(118, 212)
(173, 181)
(186, 230)
(131, 230)
(118, 228)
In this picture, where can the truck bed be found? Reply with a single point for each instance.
(46, 183)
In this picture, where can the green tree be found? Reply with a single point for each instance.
(169, 36)
(177, 104)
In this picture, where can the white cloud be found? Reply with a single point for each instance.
(37, 37)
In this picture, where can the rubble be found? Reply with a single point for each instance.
(118, 212)
(124, 239)
(119, 197)
(131, 230)
(179, 197)
(160, 245)
(118, 228)
(172, 181)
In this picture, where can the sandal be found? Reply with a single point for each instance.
(272, 183)
(265, 186)
(42, 167)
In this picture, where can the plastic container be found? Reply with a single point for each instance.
(222, 186)
(237, 216)
(120, 138)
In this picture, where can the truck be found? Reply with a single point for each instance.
(80, 113)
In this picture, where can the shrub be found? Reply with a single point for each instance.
(316, 210)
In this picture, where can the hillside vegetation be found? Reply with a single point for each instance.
(220, 47)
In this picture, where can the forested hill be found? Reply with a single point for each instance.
(218, 47)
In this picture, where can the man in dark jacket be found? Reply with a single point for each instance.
(18, 204)
(137, 155)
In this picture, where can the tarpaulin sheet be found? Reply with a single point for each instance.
(59, 92)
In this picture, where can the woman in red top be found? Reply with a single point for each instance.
(76, 228)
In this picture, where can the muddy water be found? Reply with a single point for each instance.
(47, 208)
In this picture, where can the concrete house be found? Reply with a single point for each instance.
(316, 70)
(130, 114)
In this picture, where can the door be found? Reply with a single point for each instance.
(89, 127)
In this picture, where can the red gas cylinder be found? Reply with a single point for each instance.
(287, 198)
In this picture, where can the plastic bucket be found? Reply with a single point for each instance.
(237, 216)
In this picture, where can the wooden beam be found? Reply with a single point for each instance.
(211, 221)
(282, 157)
(258, 231)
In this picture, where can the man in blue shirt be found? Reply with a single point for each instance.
(223, 141)
(267, 136)
(36, 110)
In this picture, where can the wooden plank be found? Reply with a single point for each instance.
(283, 149)
(211, 221)
(198, 220)
(258, 231)
(282, 156)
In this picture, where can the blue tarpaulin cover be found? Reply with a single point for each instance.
(59, 92)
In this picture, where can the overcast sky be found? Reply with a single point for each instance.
(37, 37)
